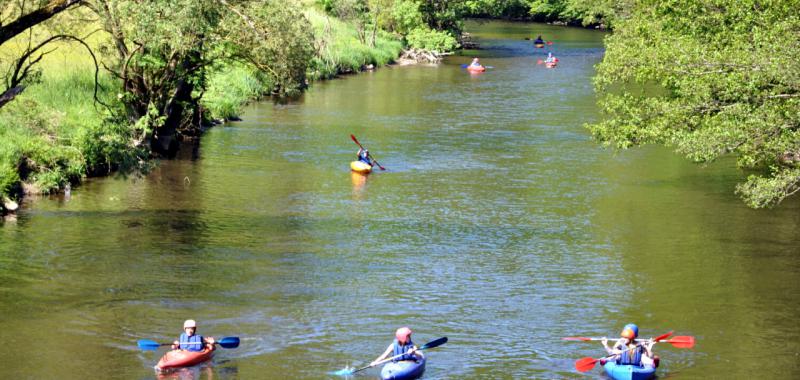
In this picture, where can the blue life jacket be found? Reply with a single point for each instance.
(196, 340)
(539, 42)
(363, 157)
(631, 356)
(398, 349)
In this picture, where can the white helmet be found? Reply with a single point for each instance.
(190, 323)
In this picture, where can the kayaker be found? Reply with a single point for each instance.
(363, 156)
(539, 40)
(629, 351)
(189, 339)
(550, 58)
(401, 345)
(475, 62)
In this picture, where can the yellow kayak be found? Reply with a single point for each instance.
(360, 167)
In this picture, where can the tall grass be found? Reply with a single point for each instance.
(54, 132)
(341, 51)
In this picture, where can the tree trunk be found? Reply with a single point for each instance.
(42, 14)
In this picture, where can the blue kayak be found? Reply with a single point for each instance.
(403, 370)
(628, 372)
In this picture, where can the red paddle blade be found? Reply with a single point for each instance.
(549, 42)
(682, 341)
(581, 338)
(539, 62)
(355, 140)
(585, 364)
(662, 336)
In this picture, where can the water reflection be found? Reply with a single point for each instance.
(359, 181)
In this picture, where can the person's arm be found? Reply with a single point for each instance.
(612, 350)
(417, 352)
(648, 347)
(383, 356)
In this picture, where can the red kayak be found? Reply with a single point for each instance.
(182, 358)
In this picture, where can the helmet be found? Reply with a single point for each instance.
(630, 331)
(402, 333)
(190, 323)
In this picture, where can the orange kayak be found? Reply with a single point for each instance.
(476, 69)
(182, 358)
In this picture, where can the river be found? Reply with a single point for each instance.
(498, 223)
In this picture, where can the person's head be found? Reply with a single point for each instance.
(403, 335)
(475, 59)
(190, 327)
(630, 332)
(549, 54)
(539, 37)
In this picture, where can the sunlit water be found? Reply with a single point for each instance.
(498, 224)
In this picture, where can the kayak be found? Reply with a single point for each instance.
(476, 69)
(182, 358)
(550, 65)
(539, 45)
(628, 372)
(403, 370)
(360, 167)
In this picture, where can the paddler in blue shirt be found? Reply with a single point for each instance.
(402, 345)
(189, 339)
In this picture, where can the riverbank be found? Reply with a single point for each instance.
(54, 134)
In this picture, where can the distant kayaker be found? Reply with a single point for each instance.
(475, 62)
(550, 58)
(189, 339)
(363, 156)
(629, 351)
(538, 40)
(402, 346)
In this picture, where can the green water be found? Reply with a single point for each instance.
(498, 224)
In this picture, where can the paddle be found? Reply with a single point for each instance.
(226, 342)
(429, 345)
(585, 339)
(585, 364)
(676, 341)
(359, 145)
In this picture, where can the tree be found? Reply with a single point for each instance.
(709, 78)
(165, 47)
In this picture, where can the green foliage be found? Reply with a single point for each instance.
(405, 17)
(727, 81)
(498, 8)
(433, 40)
(275, 38)
(583, 12)
(339, 50)
(231, 86)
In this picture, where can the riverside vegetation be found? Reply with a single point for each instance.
(93, 87)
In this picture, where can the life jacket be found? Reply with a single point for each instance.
(364, 157)
(631, 356)
(398, 349)
(196, 340)
(539, 42)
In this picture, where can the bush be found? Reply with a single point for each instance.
(432, 40)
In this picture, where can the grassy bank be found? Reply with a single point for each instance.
(54, 133)
(339, 51)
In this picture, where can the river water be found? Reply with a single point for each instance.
(498, 223)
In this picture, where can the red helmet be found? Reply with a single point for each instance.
(402, 333)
